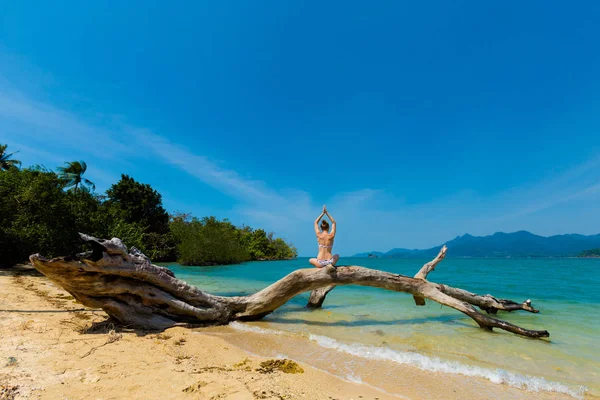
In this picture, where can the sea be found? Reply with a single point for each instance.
(362, 334)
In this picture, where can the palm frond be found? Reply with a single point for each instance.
(5, 161)
(89, 183)
(72, 174)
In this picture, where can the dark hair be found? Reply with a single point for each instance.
(324, 225)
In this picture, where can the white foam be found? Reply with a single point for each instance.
(426, 363)
(249, 328)
(350, 377)
(353, 378)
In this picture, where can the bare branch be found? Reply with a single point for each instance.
(426, 269)
(134, 292)
(430, 266)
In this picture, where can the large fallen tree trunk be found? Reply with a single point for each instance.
(487, 303)
(134, 292)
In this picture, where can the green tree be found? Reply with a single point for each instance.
(283, 251)
(132, 235)
(38, 216)
(207, 241)
(160, 246)
(5, 159)
(263, 246)
(141, 206)
(244, 234)
(72, 175)
(259, 246)
(137, 203)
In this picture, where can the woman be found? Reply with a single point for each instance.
(325, 240)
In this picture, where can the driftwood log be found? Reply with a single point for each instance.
(133, 291)
(487, 303)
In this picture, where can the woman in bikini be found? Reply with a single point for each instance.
(325, 240)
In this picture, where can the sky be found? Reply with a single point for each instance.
(414, 122)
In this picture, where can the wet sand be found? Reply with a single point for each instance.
(54, 348)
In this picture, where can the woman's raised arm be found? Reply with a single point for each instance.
(332, 222)
(317, 222)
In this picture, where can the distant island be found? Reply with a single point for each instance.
(500, 244)
(593, 253)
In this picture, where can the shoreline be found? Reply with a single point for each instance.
(393, 377)
(49, 337)
(52, 347)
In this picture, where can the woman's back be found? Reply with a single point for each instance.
(325, 239)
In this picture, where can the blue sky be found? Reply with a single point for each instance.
(414, 122)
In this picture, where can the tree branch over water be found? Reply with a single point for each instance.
(133, 291)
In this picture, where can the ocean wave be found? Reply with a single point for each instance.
(350, 377)
(427, 363)
(249, 328)
(353, 378)
(434, 364)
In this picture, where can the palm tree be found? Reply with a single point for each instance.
(5, 162)
(72, 175)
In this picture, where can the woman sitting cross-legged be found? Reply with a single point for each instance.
(325, 239)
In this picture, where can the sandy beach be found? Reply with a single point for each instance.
(53, 348)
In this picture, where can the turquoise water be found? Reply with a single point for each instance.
(380, 325)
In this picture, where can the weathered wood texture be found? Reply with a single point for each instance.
(317, 296)
(487, 303)
(134, 292)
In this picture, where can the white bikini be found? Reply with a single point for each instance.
(325, 263)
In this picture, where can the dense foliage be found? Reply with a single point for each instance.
(138, 203)
(591, 253)
(38, 216)
(42, 212)
(202, 241)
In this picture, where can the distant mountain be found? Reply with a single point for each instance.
(516, 244)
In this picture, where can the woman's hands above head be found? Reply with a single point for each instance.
(325, 212)
(333, 224)
(318, 219)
